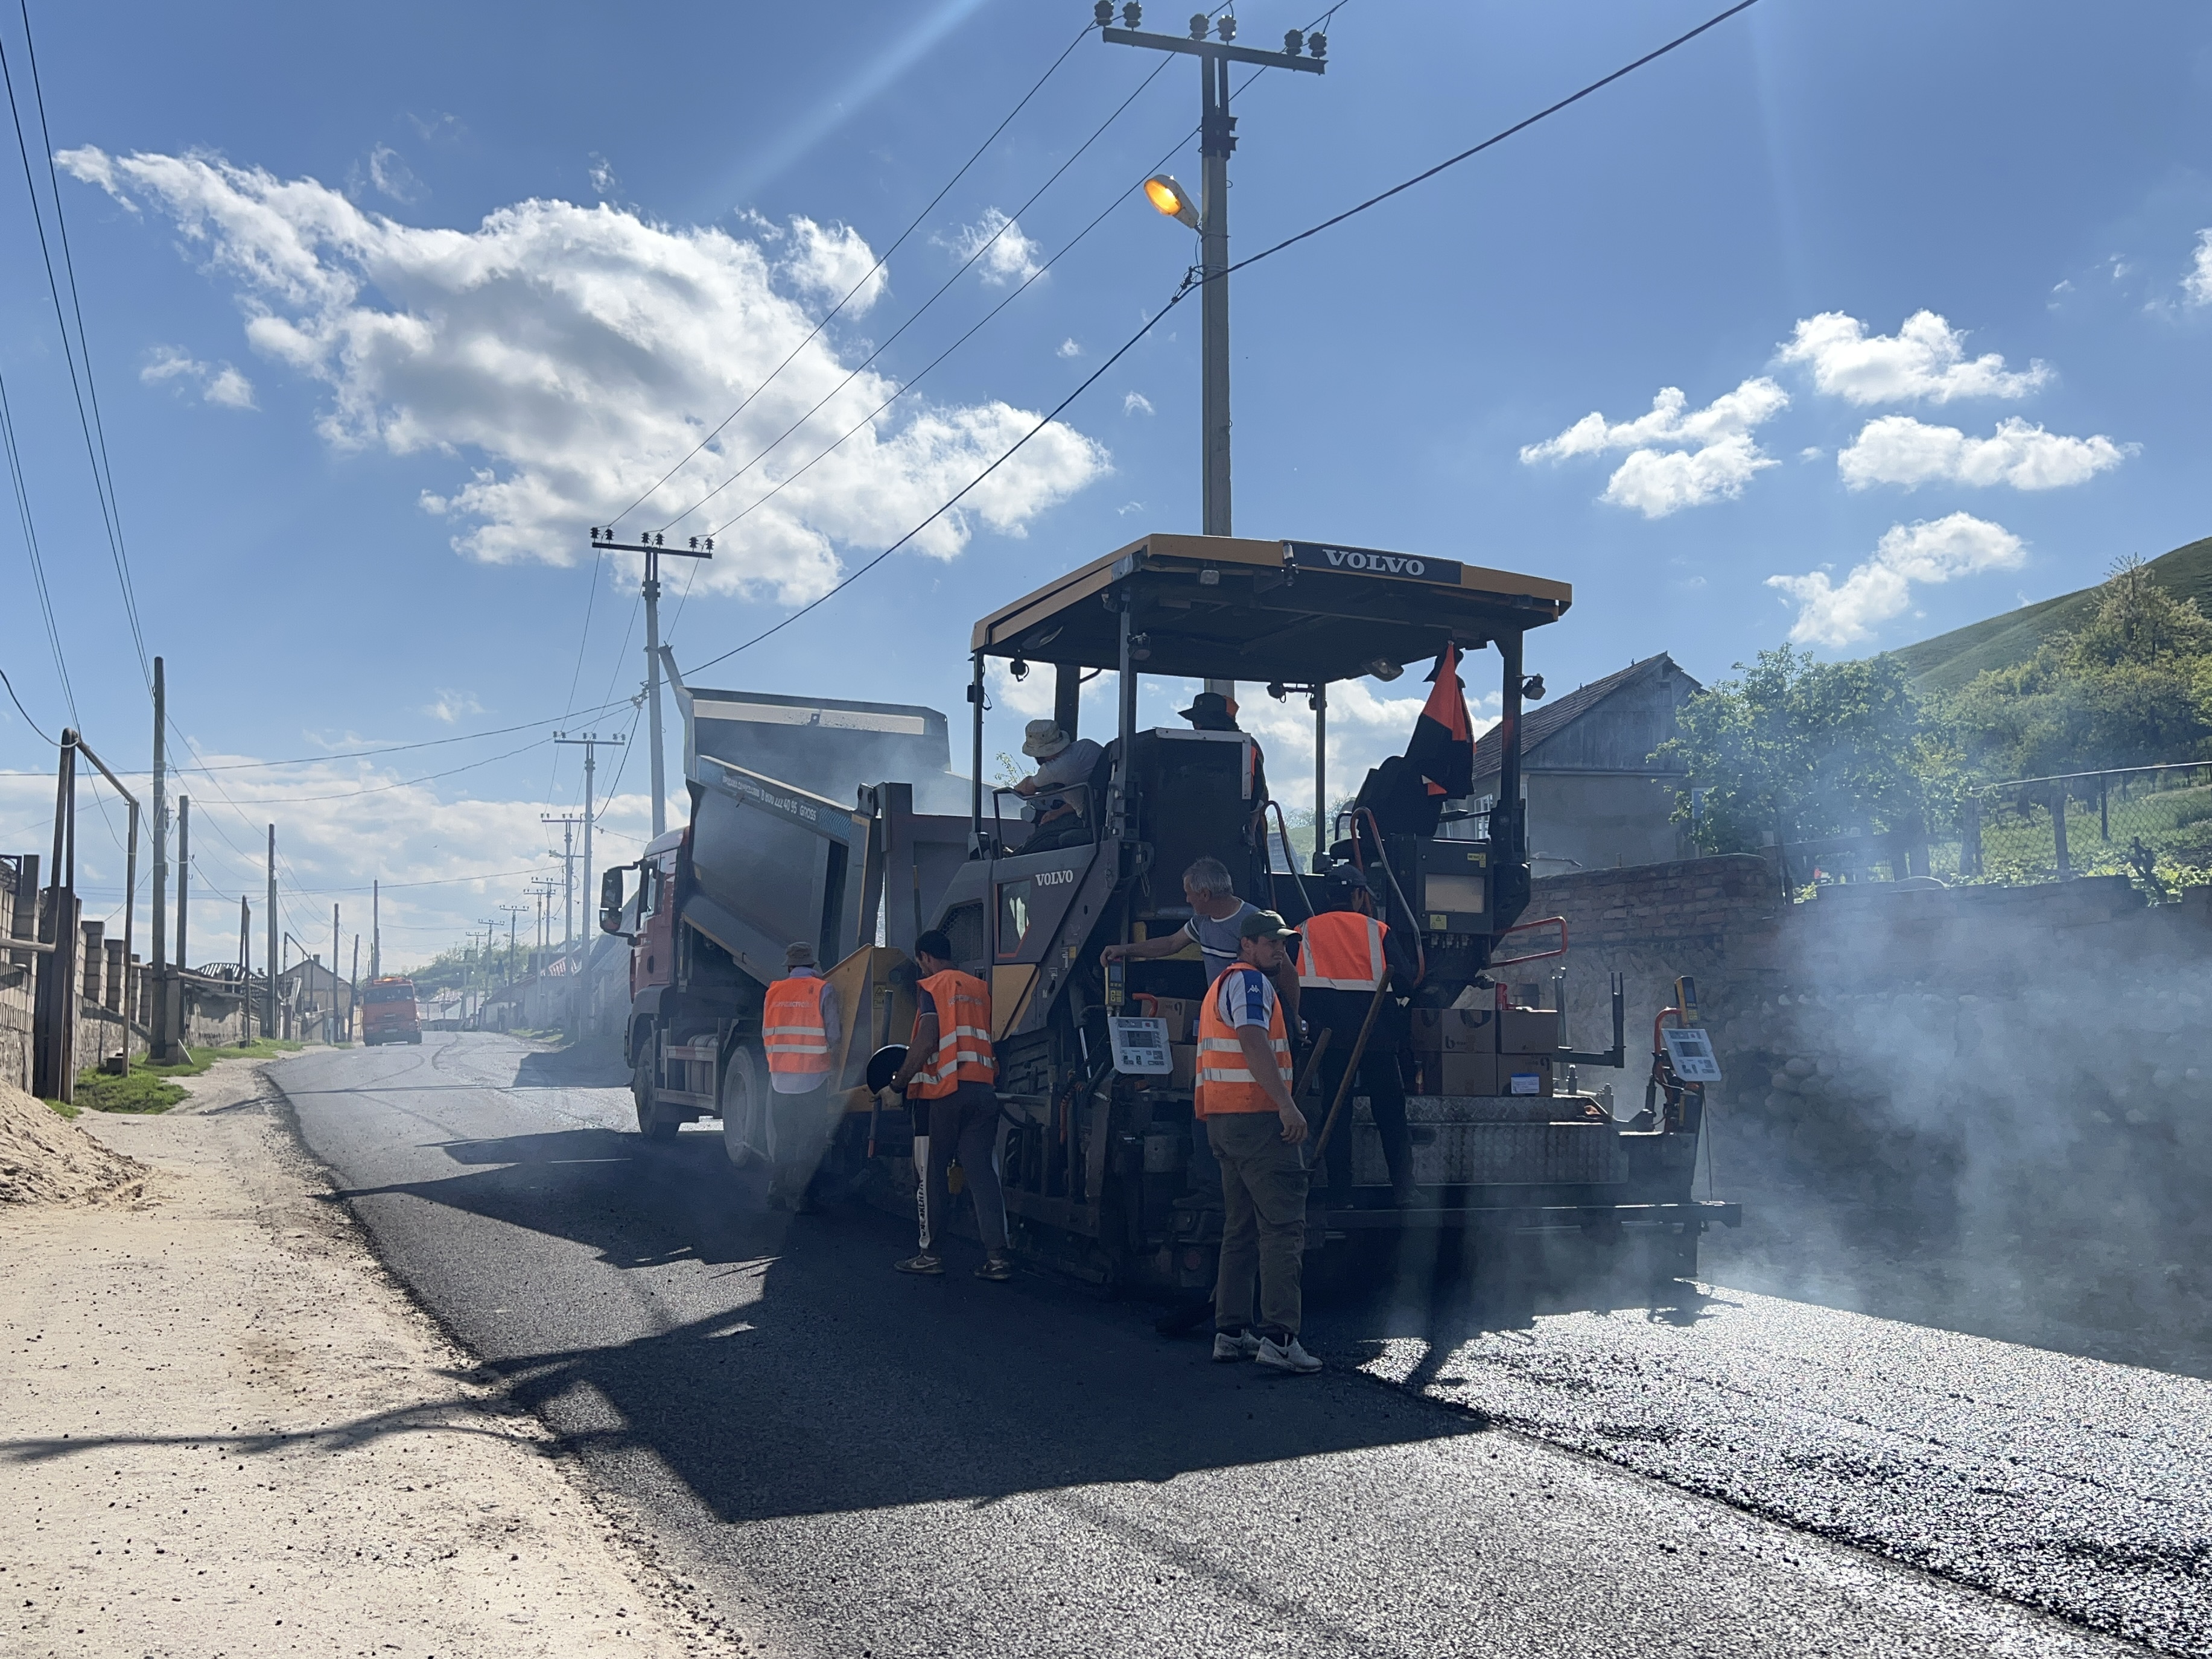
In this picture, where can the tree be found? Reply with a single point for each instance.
(1799, 748)
(2132, 688)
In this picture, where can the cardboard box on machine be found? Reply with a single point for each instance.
(1181, 1014)
(1456, 1030)
(1527, 1030)
(1185, 1057)
(1460, 1075)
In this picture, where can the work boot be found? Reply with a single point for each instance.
(924, 1263)
(1235, 1344)
(1283, 1354)
(997, 1265)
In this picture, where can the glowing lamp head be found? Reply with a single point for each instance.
(1170, 198)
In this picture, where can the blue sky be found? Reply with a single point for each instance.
(385, 308)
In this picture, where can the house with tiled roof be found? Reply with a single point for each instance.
(1596, 798)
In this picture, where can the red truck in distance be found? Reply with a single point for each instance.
(388, 1012)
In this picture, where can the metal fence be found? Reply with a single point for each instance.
(2150, 823)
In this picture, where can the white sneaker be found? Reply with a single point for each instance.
(1285, 1357)
(1235, 1344)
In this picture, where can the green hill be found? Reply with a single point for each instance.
(1949, 660)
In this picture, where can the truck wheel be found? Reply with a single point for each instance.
(745, 1108)
(651, 1123)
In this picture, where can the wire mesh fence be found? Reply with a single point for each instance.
(2150, 823)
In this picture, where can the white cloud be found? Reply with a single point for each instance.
(389, 172)
(1925, 358)
(1896, 449)
(576, 354)
(1135, 403)
(219, 383)
(605, 181)
(1069, 349)
(452, 705)
(1005, 254)
(2197, 284)
(1926, 551)
(1657, 482)
(828, 262)
(1709, 454)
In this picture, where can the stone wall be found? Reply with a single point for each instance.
(2006, 1064)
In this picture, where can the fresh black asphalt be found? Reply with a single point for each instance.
(836, 1458)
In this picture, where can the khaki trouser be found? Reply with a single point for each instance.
(1263, 1226)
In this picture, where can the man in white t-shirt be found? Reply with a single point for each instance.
(1216, 914)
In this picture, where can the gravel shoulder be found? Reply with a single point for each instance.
(224, 1429)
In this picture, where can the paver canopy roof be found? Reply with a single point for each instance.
(1231, 607)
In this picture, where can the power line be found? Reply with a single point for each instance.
(426, 743)
(1193, 282)
(103, 480)
(915, 224)
(921, 310)
(31, 546)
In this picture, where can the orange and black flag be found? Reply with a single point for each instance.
(1442, 747)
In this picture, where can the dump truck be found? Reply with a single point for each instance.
(840, 824)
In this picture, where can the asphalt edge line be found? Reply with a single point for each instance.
(702, 1623)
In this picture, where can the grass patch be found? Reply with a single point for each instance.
(63, 1108)
(199, 1059)
(141, 1091)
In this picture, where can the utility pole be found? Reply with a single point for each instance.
(588, 742)
(334, 973)
(245, 971)
(353, 991)
(375, 929)
(567, 857)
(652, 545)
(513, 911)
(183, 876)
(159, 1037)
(1217, 137)
(269, 1019)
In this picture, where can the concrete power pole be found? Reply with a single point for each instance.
(375, 929)
(652, 545)
(269, 1013)
(159, 1037)
(1217, 137)
(245, 971)
(183, 877)
(589, 743)
(334, 973)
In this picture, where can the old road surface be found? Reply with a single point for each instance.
(834, 1459)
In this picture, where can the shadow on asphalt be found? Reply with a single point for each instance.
(808, 1378)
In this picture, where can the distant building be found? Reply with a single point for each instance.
(1595, 797)
(307, 996)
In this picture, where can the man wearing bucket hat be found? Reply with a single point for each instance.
(1064, 764)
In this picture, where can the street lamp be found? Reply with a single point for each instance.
(1209, 214)
(1164, 192)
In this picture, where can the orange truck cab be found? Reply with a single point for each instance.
(388, 1012)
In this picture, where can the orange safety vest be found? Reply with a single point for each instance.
(1225, 1083)
(963, 1005)
(1342, 951)
(793, 1030)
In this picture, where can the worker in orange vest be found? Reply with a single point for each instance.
(799, 1031)
(948, 1075)
(1257, 1132)
(1342, 963)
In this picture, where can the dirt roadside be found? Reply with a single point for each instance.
(224, 1431)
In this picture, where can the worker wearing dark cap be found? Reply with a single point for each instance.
(1210, 711)
(1257, 1131)
(1343, 966)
